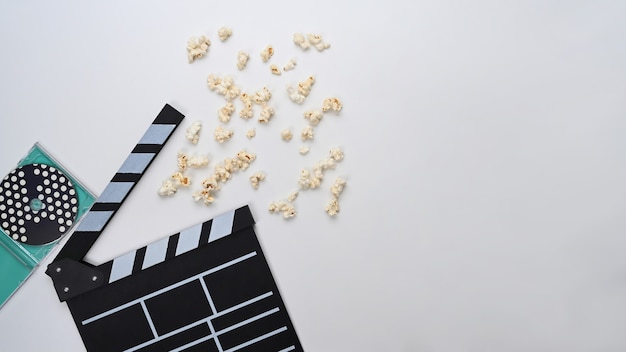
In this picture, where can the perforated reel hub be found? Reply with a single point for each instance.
(38, 204)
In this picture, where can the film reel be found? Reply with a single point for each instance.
(38, 204)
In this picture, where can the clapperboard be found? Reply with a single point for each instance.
(206, 288)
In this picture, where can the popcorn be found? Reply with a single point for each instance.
(223, 172)
(224, 32)
(198, 161)
(246, 112)
(193, 132)
(316, 41)
(286, 135)
(305, 179)
(332, 104)
(251, 133)
(267, 53)
(266, 114)
(314, 116)
(304, 87)
(336, 154)
(167, 188)
(337, 187)
(223, 86)
(222, 134)
(304, 150)
(244, 159)
(225, 112)
(275, 70)
(295, 96)
(213, 81)
(197, 47)
(285, 207)
(182, 161)
(245, 97)
(205, 195)
(210, 183)
(180, 179)
(262, 96)
(332, 208)
(300, 40)
(306, 133)
(256, 178)
(292, 196)
(291, 64)
(299, 93)
(242, 59)
(313, 180)
(209, 187)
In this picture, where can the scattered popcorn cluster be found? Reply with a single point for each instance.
(224, 86)
(222, 173)
(257, 103)
(179, 178)
(315, 116)
(309, 40)
(285, 206)
(332, 208)
(313, 180)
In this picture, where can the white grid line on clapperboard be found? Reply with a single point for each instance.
(214, 334)
(213, 312)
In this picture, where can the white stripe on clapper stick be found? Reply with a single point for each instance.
(122, 266)
(222, 226)
(155, 253)
(188, 239)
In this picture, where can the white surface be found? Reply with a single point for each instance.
(485, 158)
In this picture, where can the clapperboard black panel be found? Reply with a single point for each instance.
(207, 288)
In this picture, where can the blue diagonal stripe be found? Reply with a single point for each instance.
(155, 253)
(136, 163)
(122, 266)
(222, 226)
(94, 221)
(188, 239)
(115, 192)
(157, 134)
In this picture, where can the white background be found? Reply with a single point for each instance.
(484, 152)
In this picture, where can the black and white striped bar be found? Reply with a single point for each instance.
(131, 171)
(175, 245)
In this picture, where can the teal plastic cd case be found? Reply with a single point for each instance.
(40, 202)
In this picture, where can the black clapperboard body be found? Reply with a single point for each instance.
(206, 288)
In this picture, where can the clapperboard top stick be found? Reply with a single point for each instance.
(70, 274)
